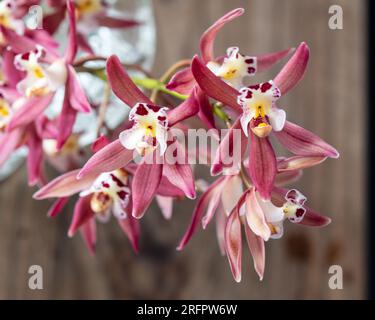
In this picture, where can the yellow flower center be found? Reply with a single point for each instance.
(4, 20)
(37, 72)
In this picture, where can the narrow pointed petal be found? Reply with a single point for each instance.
(84, 45)
(262, 165)
(304, 143)
(121, 84)
(113, 156)
(213, 86)
(166, 206)
(182, 81)
(9, 141)
(287, 177)
(34, 157)
(228, 149)
(257, 250)
(17, 43)
(77, 97)
(145, 184)
(180, 174)
(185, 110)
(82, 214)
(298, 163)
(130, 226)
(65, 186)
(11, 74)
(205, 109)
(208, 38)
(167, 189)
(72, 47)
(112, 22)
(221, 220)
(99, 143)
(30, 110)
(255, 216)
(293, 71)
(66, 121)
(57, 206)
(52, 21)
(233, 243)
(199, 210)
(266, 61)
(88, 232)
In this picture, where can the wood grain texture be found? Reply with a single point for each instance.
(330, 101)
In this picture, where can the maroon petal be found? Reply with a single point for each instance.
(130, 226)
(122, 85)
(266, 61)
(113, 156)
(303, 142)
(262, 165)
(82, 213)
(294, 70)
(66, 121)
(213, 86)
(34, 157)
(145, 184)
(52, 21)
(208, 38)
(57, 206)
(228, 149)
(182, 81)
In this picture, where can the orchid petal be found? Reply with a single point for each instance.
(112, 156)
(72, 47)
(303, 142)
(166, 206)
(298, 163)
(257, 250)
(84, 45)
(130, 227)
(99, 143)
(77, 97)
(208, 38)
(213, 86)
(145, 184)
(287, 177)
(9, 141)
(121, 84)
(277, 118)
(52, 21)
(182, 82)
(88, 232)
(167, 189)
(57, 206)
(262, 165)
(112, 22)
(266, 61)
(294, 70)
(66, 121)
(82, 213)
(221, 219)
(65, 185)
(34, 157)
(182, 177)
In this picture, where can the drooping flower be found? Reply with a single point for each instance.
(259, 116)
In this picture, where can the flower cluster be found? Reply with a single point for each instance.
(144, 158)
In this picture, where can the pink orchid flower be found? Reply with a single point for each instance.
(150, 126)
(222, 196)
(259, 116)
(45, 73)
(90, 15)
(232, 68)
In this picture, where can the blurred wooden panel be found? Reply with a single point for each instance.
(330, 101)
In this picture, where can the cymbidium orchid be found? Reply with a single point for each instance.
(259, 116)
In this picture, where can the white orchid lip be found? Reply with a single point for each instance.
(150, 129)
(234, 68)
(41, 78)
(109, 193)
(258, 105)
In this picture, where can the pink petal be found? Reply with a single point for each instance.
(208, 38)
(166, 206)
(77, 97)
(113, 156)
(65, 186)
(233, 243)
(167, 189)
(287, 177)
(186, 109)
(34, 157)
(11, 74)
(9, 141)
(29, 111)
(17, 43)
(72, 47)
(310, 219)
(255, 216)
(262, 165)
(182, 81)
(111, 22)
(294, 70)
(221, 220)
(303, 142)
(66, 121)
(57, 206)
(99, 143)
(123, 87)
(228, 149)
(199, 210)
(88, 232)
(266, 61)
(145, 184)
(130, 226)
(45, 39)
(82, 214)
(298, 163)
(205, 109)
(257, 250)
(180, 174)
(84, 45)
(213, 86)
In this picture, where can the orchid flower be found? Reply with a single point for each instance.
(148, 134)
(259, 116)
(8, 20)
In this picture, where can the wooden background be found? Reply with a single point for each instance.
(330, 101)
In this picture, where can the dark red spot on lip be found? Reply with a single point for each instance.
(251, 70)
(25, 56)
(249, 60)
(265, 86)
(249, 94)
(105, 184)
(122, 194)
(254, 87)
(141, 110)
(117, 180)
(153, 107)
(162, 118)
(300, 212)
